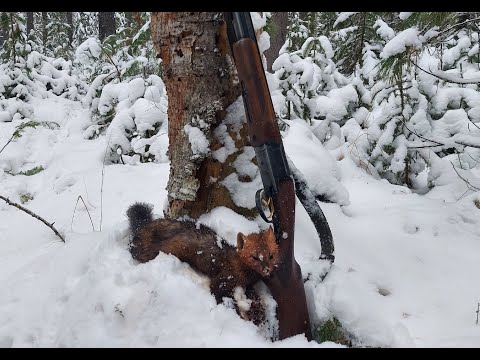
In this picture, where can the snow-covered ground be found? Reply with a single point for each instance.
(405, 275)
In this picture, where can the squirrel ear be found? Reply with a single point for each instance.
(270, 231)
(240, 241)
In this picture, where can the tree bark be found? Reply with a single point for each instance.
(29, 22)
(70, 28)
(106, 24)
(303, 15)
(277, 37)
(201, 83)
(44, 29)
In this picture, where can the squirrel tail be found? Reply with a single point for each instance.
(139, 214)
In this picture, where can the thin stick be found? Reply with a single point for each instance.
(420, 136)
(101, 186)
(80, 198)
(8, 142)
(86, 192)
(443, 79)
(465, 180)
(33, 215)
(465, 144)
(478, 310)
(472, 157)
(450, 28)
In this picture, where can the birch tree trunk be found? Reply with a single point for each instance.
(201, 83)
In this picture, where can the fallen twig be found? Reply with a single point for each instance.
(34, 215)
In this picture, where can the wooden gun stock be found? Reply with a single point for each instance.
(286, 283)
(261, 119)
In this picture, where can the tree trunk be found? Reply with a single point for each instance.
(201, 83)
(303, 15)
(106, 24)
(44, 29)
(29, 22)
(70, 27)
(277, 37)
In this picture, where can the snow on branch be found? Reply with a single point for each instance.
(442, 75)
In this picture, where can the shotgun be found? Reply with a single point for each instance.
(278, 193)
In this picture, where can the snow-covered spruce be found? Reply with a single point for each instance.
(135, 116)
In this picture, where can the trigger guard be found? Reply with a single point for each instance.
(258, 203)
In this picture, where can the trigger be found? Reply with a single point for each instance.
(263, 203)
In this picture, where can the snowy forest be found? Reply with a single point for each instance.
(379, 112)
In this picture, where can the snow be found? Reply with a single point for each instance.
(89, 47)
(227, 224)
(221, 134)
(404, 15)
(322, 180)
(390, 285)
(397, 45)
(385, 31)
(406, 264)
(453, 53)
(242, 191)
(197, 139)
(335, 103)
(327, 46)
(453, 78)
(342, 17)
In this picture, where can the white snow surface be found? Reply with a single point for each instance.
(405, 274)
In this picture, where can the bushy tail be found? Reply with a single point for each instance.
(138, 215)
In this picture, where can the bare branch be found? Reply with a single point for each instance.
(452, 27)
(421, 136)
(80, 198)
(422, 147)
(33, 215)
(471, 187)
(113, 63)
(8, 142)
(471, 157)
(463, 82)
(464, 144)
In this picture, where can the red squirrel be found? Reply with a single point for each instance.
(256, 255)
